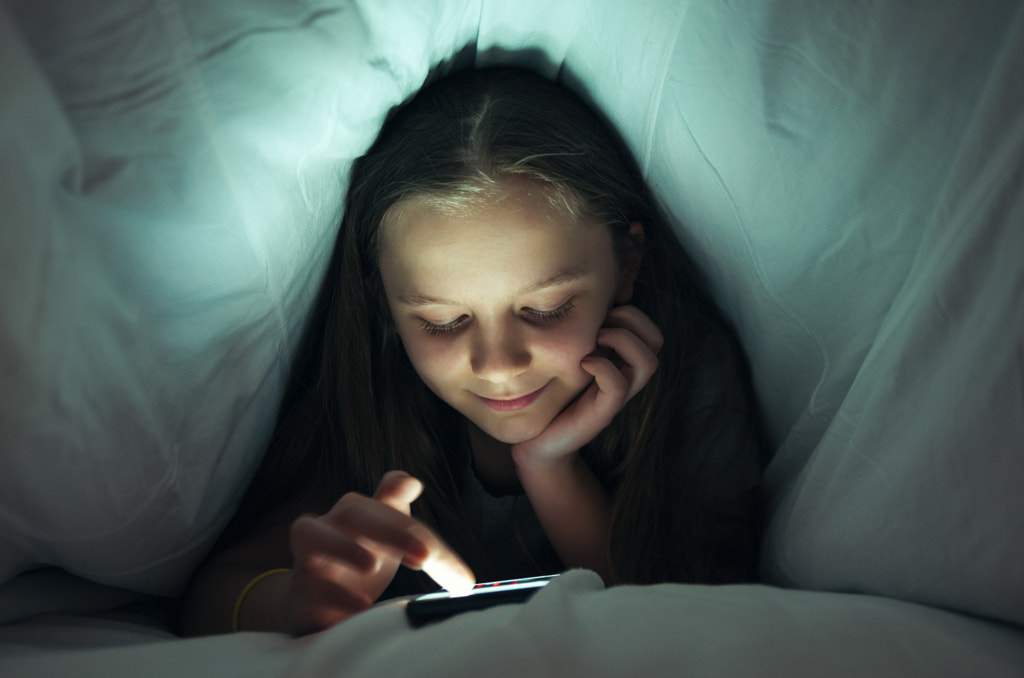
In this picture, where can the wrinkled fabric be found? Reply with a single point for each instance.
(847, 176)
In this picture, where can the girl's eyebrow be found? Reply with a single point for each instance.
(561, 277)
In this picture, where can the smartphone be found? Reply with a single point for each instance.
(432, 607)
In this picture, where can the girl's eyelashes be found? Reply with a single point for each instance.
(444, 329)
(533, 315)
(553, 315)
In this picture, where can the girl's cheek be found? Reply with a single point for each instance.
(569, 346)
(437, 356)
(428, 354)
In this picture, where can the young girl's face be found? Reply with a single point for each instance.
(496, 304)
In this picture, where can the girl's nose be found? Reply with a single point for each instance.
(498, 355)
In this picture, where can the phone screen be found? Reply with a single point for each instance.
(431, 607)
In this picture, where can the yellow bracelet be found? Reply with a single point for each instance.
(249, 587)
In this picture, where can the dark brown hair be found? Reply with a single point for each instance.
(677, 456)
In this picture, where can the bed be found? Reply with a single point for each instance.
(850, 177)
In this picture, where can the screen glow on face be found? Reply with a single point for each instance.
(497, 305)
(487, 587)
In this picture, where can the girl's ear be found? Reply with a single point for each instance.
(630, 264)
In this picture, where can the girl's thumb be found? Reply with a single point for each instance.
(398, 489)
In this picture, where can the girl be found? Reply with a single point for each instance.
(509, 327)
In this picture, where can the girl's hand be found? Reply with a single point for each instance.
(625, 359)
(344, 560)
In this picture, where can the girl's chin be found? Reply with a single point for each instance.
(512, 434)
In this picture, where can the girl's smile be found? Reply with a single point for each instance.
(513, 403)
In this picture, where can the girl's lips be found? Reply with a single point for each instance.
(513, 404)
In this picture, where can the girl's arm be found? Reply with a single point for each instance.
(570, 502)
(573, 508)
(209, 602)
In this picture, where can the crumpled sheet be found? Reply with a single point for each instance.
(571, 628)
(849, 176)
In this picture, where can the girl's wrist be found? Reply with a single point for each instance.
(261, 604)
(534, 468)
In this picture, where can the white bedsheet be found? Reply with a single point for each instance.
(572, 628)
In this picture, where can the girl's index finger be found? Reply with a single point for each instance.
(636, 321)
(450, 573)
(376, 525)
(441, 563)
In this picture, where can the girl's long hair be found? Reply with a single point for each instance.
(356, 408)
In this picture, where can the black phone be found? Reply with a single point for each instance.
(432, 607)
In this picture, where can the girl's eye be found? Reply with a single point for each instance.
(551, 316)
(444, 329)
(541, 317)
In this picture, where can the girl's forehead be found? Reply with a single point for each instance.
(516, 236)
(514, 209)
